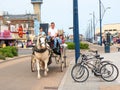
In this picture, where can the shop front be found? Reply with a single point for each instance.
(8, 38)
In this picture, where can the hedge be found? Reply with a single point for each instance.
(2, 57)
(8, 51)
(71, 45)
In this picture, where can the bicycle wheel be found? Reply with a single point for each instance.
(112, 68)
(98, 67)
(109, 72)
(79, 73)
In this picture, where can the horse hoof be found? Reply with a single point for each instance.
(45, 73)
(39, 77)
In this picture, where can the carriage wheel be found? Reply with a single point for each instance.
(32, 64)
(64, 57)
(62, 66)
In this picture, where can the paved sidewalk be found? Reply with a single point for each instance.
(93, 83)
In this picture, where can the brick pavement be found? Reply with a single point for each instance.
(93, 83)
(100, 49)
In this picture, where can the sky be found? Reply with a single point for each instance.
(61, 12)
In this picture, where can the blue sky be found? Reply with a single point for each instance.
(61, 11)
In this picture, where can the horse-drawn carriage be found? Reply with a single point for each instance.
(43, 54)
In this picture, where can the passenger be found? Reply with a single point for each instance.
(42, 33)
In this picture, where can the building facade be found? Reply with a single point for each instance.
(113, 29)
(9, 27)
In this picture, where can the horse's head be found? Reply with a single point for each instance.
(41, 42)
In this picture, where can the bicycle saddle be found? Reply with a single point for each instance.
(100, 58)
(97, 56)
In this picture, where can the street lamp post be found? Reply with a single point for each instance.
(91, 30)
(94, 24)
(100, 22)
(101, 17)
(76, 30)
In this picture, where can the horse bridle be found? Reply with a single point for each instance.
(43, 42)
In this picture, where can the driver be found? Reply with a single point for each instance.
(53, 33)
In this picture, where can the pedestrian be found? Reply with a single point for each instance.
(104, 41)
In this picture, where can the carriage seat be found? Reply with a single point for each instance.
(55, 50)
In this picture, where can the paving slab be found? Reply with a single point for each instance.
(93, 83)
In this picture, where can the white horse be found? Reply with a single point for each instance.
(41, 55)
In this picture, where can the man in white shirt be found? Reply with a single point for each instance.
(52, 30)
(53, 33)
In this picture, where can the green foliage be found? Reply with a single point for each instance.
(71, 45)
(9, 51)
(84, 46)
(14, 51)
(2, 57)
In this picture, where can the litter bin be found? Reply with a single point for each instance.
(107, 43)
(107, 47)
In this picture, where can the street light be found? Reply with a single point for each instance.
(70, 27)
(93, 16)
(105, 11)
(101, 17)
(89, 30)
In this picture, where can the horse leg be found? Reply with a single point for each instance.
(38, 68)
(46, 68)
(41, 65)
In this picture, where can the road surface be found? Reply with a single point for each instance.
(17, 75)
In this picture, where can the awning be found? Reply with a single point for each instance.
(6, 35)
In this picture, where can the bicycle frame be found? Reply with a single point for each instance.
(92, 63)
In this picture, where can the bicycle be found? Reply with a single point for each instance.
(105, 69)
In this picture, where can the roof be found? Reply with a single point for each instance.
(22, 16)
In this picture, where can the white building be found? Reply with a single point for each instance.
(111, 28)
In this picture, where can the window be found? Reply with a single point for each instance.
(110, 30)
(114, 29)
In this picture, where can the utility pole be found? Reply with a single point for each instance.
(76, 30)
